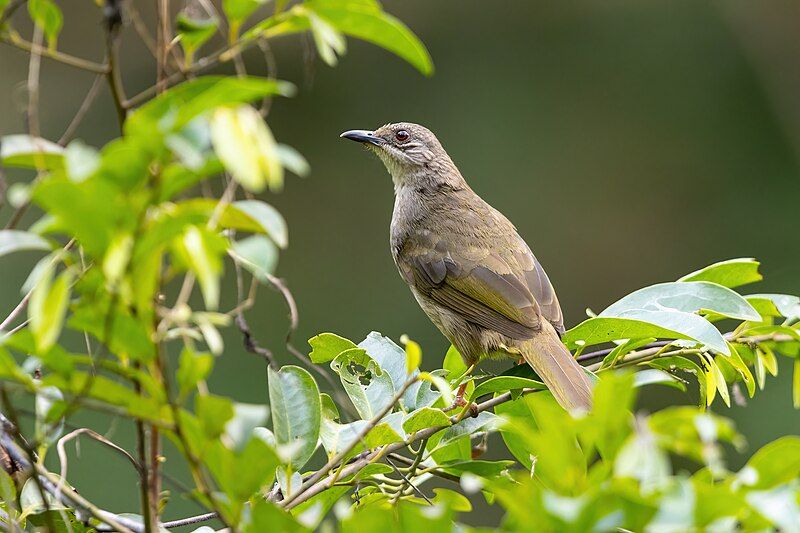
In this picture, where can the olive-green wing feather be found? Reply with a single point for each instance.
(482, 287)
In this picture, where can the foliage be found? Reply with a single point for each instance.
(127, 237)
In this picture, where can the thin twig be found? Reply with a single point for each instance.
(88, 100)
(15, 40)
(33, 83)
(190, 520)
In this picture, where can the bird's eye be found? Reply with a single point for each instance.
(402, 135)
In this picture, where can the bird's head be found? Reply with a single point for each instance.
(411, 152)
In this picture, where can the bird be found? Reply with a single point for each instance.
(468, 267)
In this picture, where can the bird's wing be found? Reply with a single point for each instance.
(486, 287)
(541, 288)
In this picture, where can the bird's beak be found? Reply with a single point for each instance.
(362, 136)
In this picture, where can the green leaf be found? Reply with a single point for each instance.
(640, 458)
(192, 368)
(326, 346)
(296, 411)
(653, 376)
(237, 11)
(246, 418)
(268, 218)
(505, 383)
(48, 400)
(14, 241)
(213, 413)
(246, 147)
(258, 255)
(454, 363)
(731, 273)
(787, 305)
(681, 364)
(425, 417)
(391, 359)
(30, 152)
(47, 15)
(293, 161)
(193, 32)
(775, 463)
(48, 307)
(176, 107)
(266, 516)
(129, 337)
(329, 41)
(369, 387)
(81, 160)
(31, 501)
(739, 365)
(687, 297)
(485, 421)
(646, 324)
(778, 505)
(92, 211)
(365, 20)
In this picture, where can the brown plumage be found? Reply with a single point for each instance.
(467, 266)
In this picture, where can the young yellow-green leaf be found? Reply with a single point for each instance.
(441, 384)
(204, 260)
(193, 32)
(796, 384)
(413, 354)
(296, 411)
(326, 346)
(246, 147)
(117, 256)
(719, 379)
(237, 11)
(192, 368)
(744, 371)
(47, 16)
(15, 240)
(711, 380)
(48, 307)
(731, 273)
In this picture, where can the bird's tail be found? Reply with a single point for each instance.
(565, 378)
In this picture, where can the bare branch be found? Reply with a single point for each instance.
(15, 40)
(85, 106)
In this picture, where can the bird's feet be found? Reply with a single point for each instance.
(460, 403)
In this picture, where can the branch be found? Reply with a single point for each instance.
(339, 457)
(15, 40)
(316, 484)
(69, 498)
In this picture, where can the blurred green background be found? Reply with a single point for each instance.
(630, 142)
